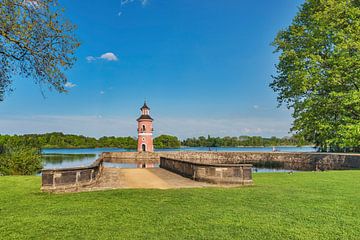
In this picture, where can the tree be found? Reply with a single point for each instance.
(166, 141)
(35, 42)
(318, 74)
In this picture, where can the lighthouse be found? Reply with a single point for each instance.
(145, 130)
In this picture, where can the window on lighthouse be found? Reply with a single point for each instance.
(143, 127)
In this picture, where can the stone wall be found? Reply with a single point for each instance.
(212, 173)
(70, 179)
(130, 157)
(294, 161)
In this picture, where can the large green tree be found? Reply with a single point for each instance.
(318, 74)
(36, 42)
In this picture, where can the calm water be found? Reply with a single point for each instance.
(63, 158)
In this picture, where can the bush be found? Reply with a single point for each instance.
(19, 160)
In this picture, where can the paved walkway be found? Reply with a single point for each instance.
(114, 178)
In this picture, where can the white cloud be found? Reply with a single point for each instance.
(89, 125)
(70, 85)
(100, 125)
(109, 56)
(90, 58)
(123, 2)
(189, 127)
(142, 2)
(102, 92)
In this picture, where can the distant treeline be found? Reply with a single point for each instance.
(61, 140)
(255, 141)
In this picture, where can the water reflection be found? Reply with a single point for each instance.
(65, 158)
(77, 160)
(98, 151)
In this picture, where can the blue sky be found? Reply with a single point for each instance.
(203, 66)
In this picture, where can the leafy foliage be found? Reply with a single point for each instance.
(318, 74)
(35, 42)
(19, 160)
(166, 141)
(119, 142)
(242, 141)
(60, 140)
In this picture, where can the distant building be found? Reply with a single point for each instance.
(145, 130)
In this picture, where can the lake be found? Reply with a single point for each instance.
(64, 158)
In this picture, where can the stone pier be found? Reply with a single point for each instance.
(186, 169)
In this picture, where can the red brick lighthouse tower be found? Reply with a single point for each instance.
(145, 130)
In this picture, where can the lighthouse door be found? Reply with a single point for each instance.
(143, 148)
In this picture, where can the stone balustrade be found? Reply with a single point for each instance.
(217, 173)
(130, 157)
(71, 179)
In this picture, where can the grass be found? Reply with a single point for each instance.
(303, 205)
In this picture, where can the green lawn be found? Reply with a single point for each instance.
(307, 205)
